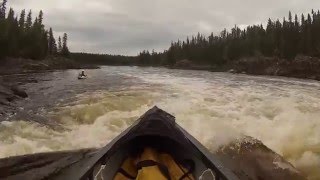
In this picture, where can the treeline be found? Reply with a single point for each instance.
(20, 36)
(284, 39)
(103, 59)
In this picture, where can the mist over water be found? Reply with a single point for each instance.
(216, 108)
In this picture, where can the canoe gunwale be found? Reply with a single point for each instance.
(147, 126)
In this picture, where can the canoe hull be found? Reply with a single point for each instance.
(155, 129)
(82, 77)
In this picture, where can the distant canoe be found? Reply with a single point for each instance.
(82, 77)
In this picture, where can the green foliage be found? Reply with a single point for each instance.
(22, 37)
(22, 20)
(29, 21)
(59, 45)
(284, 40)
(65, 50)
(52, 46)
(3, 8)
(103, 59)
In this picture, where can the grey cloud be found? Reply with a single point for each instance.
(129, 26)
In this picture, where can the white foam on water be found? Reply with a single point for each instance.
(285, 117)
(215, 108)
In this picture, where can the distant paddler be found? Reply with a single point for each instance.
(82, 75)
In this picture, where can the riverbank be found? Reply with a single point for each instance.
(11, 90)
(303, 67)
(23, 66)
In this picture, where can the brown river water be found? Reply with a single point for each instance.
(64, 113)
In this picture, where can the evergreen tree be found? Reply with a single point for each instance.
(22, 37)
(59, 45)
(3, 9)
(29, 21)
(65, 50)
(284, 39)
(302, 19)
(40, 17)
(308, 34)
(296, 22)
(12, 29)
(171, 59)
(52, 47)
(22, 19)
(3, 30)
(10, 17)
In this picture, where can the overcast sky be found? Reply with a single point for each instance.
(129, 26)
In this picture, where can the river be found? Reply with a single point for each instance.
(65, 113)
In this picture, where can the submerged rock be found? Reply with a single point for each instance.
(250, 159)
(19, 92)
(185, 63)
(41, 166)
(5, 95)
(231, 71)
(8, 95)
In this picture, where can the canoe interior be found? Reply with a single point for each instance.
(156, 129)
(161, 144)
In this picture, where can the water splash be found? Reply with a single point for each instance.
(215, 108)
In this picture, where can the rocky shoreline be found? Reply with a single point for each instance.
(21, 66)
(11, 91)
(248, 160)
(9, 94)
(303, 67)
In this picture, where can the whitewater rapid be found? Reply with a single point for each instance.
(216, 108)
